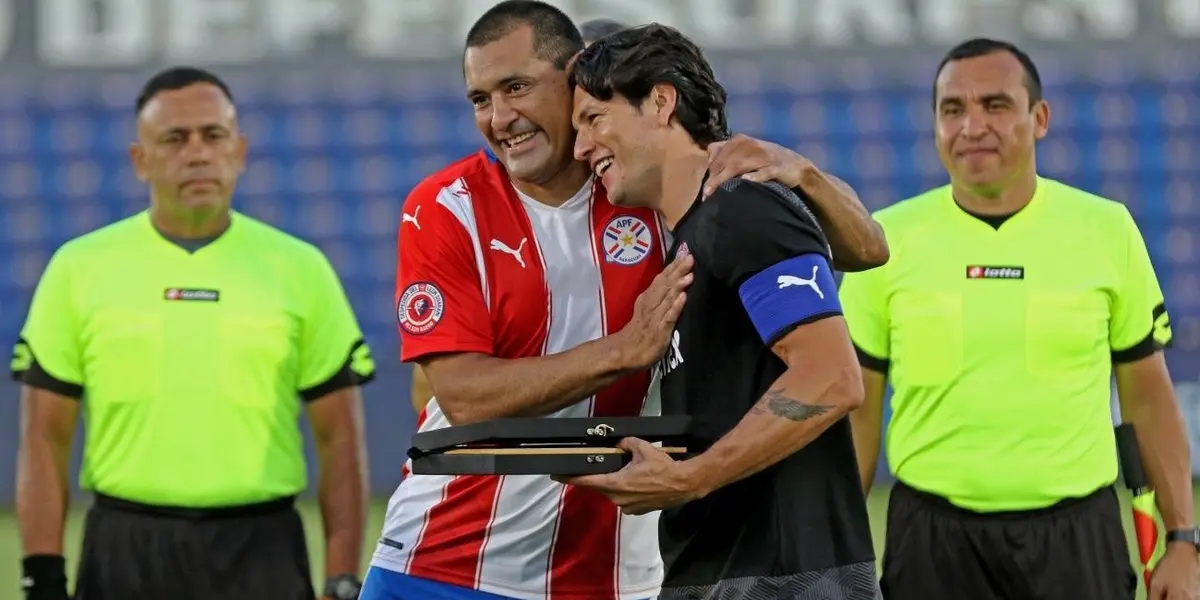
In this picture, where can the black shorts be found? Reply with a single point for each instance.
(248, 553)
(1074, 549)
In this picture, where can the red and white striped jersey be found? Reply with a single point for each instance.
(484, 269)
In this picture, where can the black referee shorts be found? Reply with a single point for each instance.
(136, 552)
(1072, 550)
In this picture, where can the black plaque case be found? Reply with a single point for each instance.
(541, 446)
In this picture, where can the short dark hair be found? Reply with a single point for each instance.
(177, 78)
(631, 62)
(597, 28)
(555, 37)
(976, 47)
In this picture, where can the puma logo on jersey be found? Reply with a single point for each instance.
(786, 281)
(407, 218)
(500, 246)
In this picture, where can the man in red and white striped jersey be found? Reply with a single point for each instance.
(522, 292)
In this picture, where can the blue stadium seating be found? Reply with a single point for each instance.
(334, 154)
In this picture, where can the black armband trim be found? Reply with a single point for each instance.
(869, 361)
(1149, 344)
(1138, 351)
(346, 376)
(26, 369)
(782, 333)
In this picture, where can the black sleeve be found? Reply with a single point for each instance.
(1154, 341)
(869, 361)
(25, 369)
(358, 370)
(753, 226)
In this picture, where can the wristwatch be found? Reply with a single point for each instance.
(343, 587)
(1191, 536)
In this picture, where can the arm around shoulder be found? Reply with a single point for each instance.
(857, 239)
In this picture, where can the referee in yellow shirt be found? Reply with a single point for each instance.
(1007, 305)
(190, 337)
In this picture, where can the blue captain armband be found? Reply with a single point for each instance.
(790, 293)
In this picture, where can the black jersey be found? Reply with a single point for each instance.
(797, 528)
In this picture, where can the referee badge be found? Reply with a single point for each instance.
(627, 240)
(420, 308)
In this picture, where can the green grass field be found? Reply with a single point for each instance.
(10, 550)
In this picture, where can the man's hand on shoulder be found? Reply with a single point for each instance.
(755, 160)
(858, 241)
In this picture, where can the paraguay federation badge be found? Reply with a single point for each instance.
(420, 308)
(627, 240)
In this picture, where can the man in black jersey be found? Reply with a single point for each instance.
(771, 507)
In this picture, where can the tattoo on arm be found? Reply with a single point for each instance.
(778, 404)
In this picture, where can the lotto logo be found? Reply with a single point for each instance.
(191, 295)
(983, 272)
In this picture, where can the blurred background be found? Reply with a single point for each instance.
(349, 103)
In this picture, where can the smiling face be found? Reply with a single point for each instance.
(623, 145)
(189, 150)
(986, 125)
(522, 106)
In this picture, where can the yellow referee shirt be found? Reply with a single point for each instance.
(191, 365)
(999, 343)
